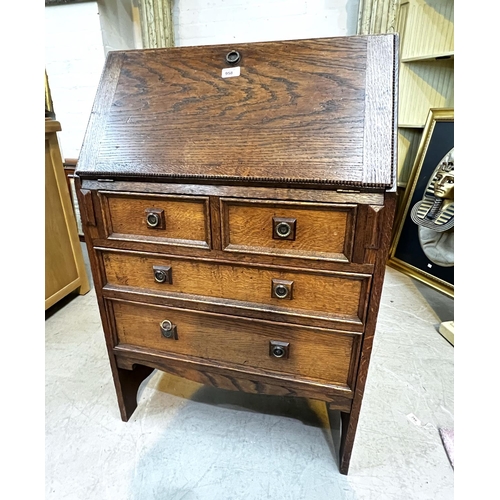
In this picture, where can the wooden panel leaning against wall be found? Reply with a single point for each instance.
(64, 265)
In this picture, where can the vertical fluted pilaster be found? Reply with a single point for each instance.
(156, 23)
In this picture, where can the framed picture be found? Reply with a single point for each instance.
(423, 243)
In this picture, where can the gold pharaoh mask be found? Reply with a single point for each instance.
(436, 210)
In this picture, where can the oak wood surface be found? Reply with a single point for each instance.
(325, 294)
(313, 353)
(320, 194)
(380, 111)
(186, 218)
(232, 377)
(264, 259)
(231, 307)
(322, 231)
(306, 135)
(351, 421)
(298, 113)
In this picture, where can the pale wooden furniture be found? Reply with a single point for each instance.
(64, 265)
(426, 29)
(447, 330)
(237, 205)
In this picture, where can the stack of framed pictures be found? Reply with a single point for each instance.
(423, 242)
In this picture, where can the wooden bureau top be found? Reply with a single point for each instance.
(315, 112)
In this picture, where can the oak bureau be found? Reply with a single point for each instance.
(237, 204)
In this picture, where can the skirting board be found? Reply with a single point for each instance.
(447, 330)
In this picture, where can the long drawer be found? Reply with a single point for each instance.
(305, 352)
(323, 294)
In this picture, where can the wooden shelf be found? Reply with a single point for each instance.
(430, 57)
(411, 125)
(428, 28)
(426, 76)
(408, 142)
(424, 85)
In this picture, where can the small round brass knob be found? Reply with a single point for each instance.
(153, 220)
(278, 351)
(160, 276)
(283, 229)
(166, 328)
(233, 57)
(281, 291)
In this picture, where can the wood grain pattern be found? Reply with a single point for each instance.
(215, 222)
(373, 226)
(269, 260)
(187, 219)
(88, 207)
(380, 111)
(351, 421)
(234, 308)
(314, 354)
(305, 134)
(97, 122)
(322, 231)
(332, 296)
(296, 103)
(232, 377)
(371, 197)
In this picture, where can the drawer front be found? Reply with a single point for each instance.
(305, 230)
(309, 353)
(160, 219)
(323, 294)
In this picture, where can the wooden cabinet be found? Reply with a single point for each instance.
(238, 227)
(64, 265)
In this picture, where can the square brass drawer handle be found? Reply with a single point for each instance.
(280, 350)
(284, 228)
(162, 274)
(282, 289)
(155, 218)
(168, 330)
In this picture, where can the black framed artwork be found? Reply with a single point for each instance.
(423, 243)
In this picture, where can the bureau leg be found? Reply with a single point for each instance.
(343, 442)
(127, 383)
(346, 443)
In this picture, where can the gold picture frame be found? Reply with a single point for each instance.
(49, 105)
(408, 253)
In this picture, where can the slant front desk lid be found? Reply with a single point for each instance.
(316, 112)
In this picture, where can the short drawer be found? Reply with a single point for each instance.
(301, 351)
(290, 229)
(160, 219)
(323, 294)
